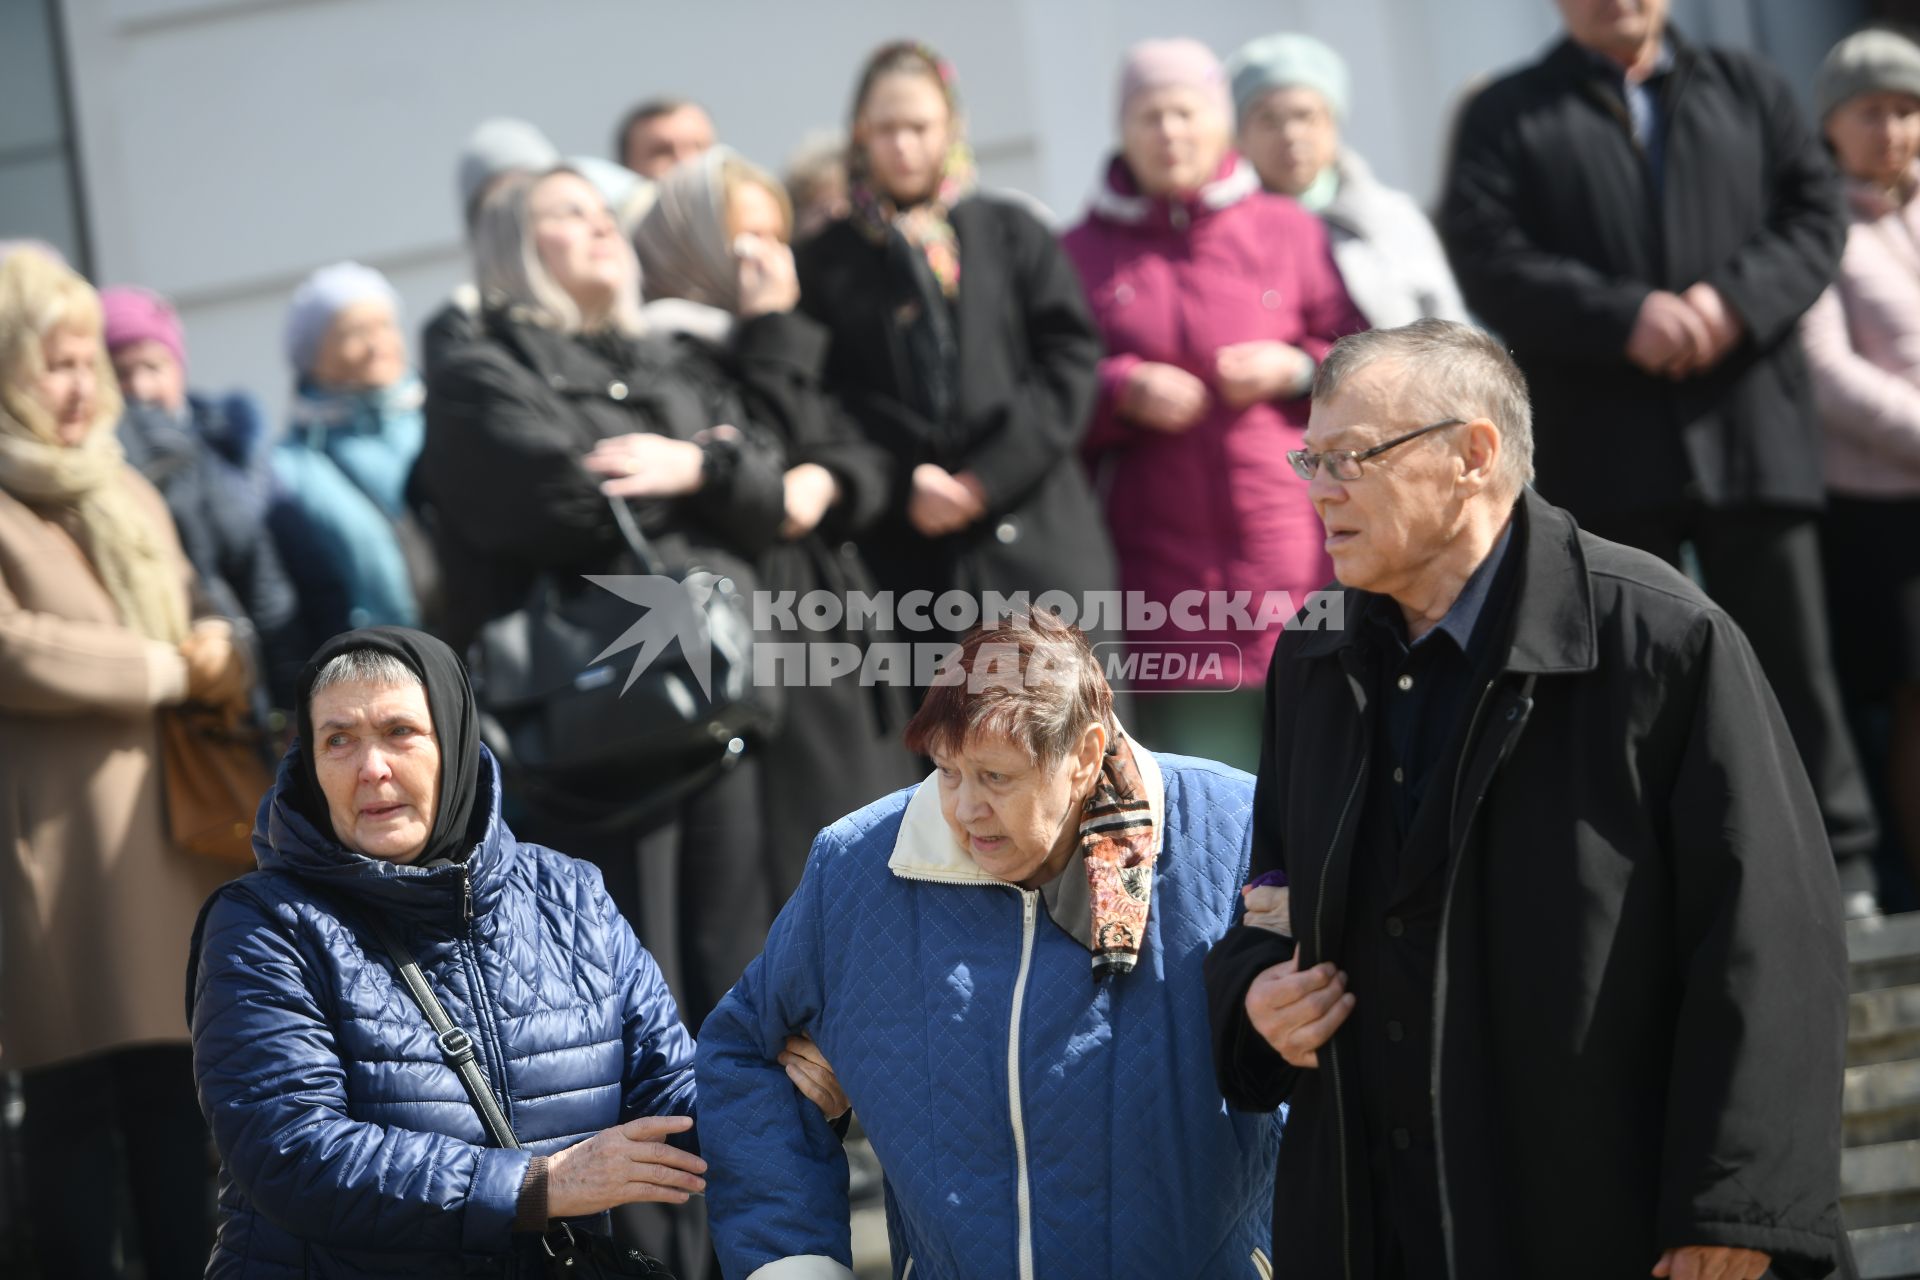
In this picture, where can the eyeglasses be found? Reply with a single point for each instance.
(1346, 462)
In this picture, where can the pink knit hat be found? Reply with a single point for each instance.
(135, 315)
(1174, 64)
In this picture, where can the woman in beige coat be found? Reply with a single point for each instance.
(96, 906)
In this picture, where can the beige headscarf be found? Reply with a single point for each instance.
(685, 253)
(37, 296)
(682, 241)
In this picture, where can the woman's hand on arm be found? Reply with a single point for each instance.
(643, 465)
(813, 1076)
(630, 1163)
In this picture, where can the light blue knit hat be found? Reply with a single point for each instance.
(1283, 62)
(324, 295)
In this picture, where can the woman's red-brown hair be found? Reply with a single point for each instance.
(1030, 678)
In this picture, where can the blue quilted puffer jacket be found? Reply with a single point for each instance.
(1030, 1122)
(348, 1147)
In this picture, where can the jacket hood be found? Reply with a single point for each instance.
(1117, 198)
(232, 424)
(441, 895)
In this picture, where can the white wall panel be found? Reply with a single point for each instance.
(229, 146)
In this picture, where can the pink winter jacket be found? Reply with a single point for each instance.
(1215, 509)
(1863, 345)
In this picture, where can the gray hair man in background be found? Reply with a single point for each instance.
(1644, 220)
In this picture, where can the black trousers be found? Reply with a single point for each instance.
(1762, 565)
(118, 1127)
(694, 886)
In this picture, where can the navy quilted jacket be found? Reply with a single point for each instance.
(348, 1147)
(1030, 1122)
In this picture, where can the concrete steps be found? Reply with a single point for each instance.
(1880, 1167)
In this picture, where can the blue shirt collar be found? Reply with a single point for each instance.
(1472, 601)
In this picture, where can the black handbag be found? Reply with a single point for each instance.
(610, 696)
(569, 1251)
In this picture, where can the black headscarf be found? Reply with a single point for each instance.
(455, 728)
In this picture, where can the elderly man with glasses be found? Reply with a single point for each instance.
(1562, 991)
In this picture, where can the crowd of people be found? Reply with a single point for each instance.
(879, 376)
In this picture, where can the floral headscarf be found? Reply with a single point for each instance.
(925, 226)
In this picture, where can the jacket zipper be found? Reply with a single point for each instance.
(482, 1008)
(1440, 962)
(1016, 1112)
(1029, 898)
(1333, 1053)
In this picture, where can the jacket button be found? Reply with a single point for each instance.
(1123, 294)
(1396, 1032)
(1401, 1139)
(1007, 532)
(1405, 683)
(618, 390)
(1270, 299)
(1395, 926)
(1399, 774)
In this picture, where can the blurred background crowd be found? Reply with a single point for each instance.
(871, 364)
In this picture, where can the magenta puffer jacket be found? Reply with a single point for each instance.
(1214, 509)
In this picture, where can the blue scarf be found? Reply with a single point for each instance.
(373, 436)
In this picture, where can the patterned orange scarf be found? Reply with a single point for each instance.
(924, 226)
(1118, 838)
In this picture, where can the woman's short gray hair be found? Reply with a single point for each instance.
(509, 273)
(364, 666)
(1463, 372)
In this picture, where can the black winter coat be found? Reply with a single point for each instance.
(1557, 234)
(838, 747)
(1028, 357)
(216, 503)
(500, 481)
(1639, 1010)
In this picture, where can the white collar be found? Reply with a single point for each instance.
(926, 850)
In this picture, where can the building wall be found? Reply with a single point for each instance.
(229, 146)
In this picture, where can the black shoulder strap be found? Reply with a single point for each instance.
(456, 1044)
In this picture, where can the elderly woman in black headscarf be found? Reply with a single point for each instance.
(351, 1132)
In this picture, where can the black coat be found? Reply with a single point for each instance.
(502, 489)
(456, 322)
(215, 499)
(1028, 355)
(1639, 1010)
(1557, 236)
(838, 747)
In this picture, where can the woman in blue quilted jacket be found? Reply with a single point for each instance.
(1003, 965)
(349, 1145)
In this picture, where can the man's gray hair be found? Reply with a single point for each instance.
(508, 270)
(1459, 372)
(364, 666)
